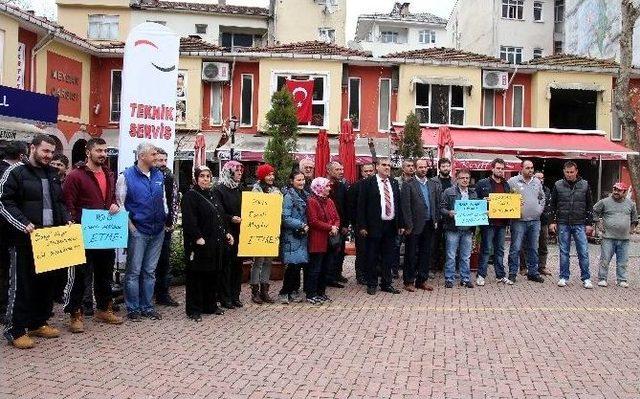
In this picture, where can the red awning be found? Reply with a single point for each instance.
(556, 143)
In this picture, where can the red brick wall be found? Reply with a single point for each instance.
(100, 93)
(29, 39)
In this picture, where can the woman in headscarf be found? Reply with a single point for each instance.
(206, 238)
(324, 223)
(229, 194)
(261, 268)
(293, 241)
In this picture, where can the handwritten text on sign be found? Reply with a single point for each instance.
(57, 247)
(471, 213)
(504, 206)
(260, 226)
(103, 231)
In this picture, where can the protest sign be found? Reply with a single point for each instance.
(260, 226)
(471, 213)
(504, 206)
(57, 247)
(101, 230)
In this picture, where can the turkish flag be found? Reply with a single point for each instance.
(302, 92)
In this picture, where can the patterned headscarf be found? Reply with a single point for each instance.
(228, 170)
(318, 185)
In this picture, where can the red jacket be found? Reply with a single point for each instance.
(321, 215)
(81, 190)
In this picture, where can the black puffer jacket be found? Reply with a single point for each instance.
(21, 199)
(571, 202)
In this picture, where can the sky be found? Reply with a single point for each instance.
(441, 8)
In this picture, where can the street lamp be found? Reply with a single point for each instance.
(233, 126)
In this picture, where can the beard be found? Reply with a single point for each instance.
(99, 160)
(41, 161)
(445, 173)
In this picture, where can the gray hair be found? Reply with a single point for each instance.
(144, 148)
(331, 164)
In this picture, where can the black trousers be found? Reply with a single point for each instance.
(381, 247)
(439, 249)
(337, 262)
(230, 282)
(316, 275)
(201, 292)
(4, 277)
(418, 256)
(30, 295)
(291, 281)
(101, 261)
(361, 257)
(163, 277)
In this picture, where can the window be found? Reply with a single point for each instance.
(164, 23)
(512, 9)
(427, 36)
(201, 29)
(511, 54)
(238, 40)
(388, 37)
(537, 11)
(116, 89)
(327, 35)
(320, 96)
(558, 11)
(518, 105)
(103, 27)
(384, 105)
(557, 47)
(216, 104)
(439, 104)
(537, 53)
(246, 101)
(354, 102)
(488, 110)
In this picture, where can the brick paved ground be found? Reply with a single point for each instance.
(525, 341)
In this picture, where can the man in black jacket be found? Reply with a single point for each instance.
(443, 178)
(421, 212)
(366, 170)
(13, 153)
(335, 173)
(571, 216)
(379, 221)
(30, 198)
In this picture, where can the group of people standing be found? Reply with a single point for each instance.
(319, 214)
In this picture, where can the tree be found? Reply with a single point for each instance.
(624, 96)
(282, 129)
(411, 145)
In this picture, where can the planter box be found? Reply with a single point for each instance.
(277, 270)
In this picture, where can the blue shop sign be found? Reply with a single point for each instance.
(27, 106)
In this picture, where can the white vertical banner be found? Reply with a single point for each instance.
(148, 100)
(21, 67)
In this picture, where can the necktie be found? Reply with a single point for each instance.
(387, 198)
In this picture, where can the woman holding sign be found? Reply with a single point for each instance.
(206, 238)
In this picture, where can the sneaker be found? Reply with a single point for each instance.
(283, 299)
(134, 316)
(467, 284)
(502, 280)
(587, 284)
(45, 331)
(510, 282)
(325, 298)
(152, 314)
(448, 284)
(623, 284)
(480, 281)
(562, 283)
(314, 301)
(537, 279)
(602, 283)
(296, 297)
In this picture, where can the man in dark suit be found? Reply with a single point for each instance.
(420, 206)
(335, 173)
(378, 220)
(366, 170)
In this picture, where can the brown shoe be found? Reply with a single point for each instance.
(409, 287)
(545, 272)
(76, 322)
(523, 272)
(107, 316)
(23, 342)
(45, 331)
(425, 287)
(264, 294)
(255, 294)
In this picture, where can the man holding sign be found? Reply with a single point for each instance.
(30, 198)
(91, 186)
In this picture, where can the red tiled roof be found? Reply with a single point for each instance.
(189, 43)
(199, 7)
(571, 60)
(445, 54)
(311, 47)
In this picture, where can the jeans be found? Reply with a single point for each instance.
(524, 233)
(143, 252)
(163, 277)
(418, 256)
(261, 271)
(608, 248)
(577, 231)
(492, 235)
(461, 240)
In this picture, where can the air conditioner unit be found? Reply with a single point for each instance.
(215, 71)
(495, 80)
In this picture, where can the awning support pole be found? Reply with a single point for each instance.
(599, 177)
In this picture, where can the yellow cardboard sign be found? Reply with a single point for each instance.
(260, 226)
(57, 247)
(504, 206)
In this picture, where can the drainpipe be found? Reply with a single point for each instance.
(599, 178)
(48, 38)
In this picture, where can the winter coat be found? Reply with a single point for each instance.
(293, 241)
(81, 191)
(260, 187)
(321, 214)
(571, 203)
(231, 201)
(203, 217)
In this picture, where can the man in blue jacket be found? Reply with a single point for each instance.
(140, 190)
